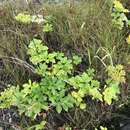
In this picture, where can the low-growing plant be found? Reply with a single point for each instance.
(59, 88)
(55, 88)
(68, 128)
(56, 71)
(119, 17)
(85, 85)
(27, 19)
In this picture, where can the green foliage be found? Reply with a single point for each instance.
(116, 73)
(71, 27)
(30, 99)
(119, 17)
(24, 18)
(78, 27)
(85, 85)
(57, 80)
(111, 91)
(116, 76)
(7, 98)
(103, 128)
(119, 7)
(40, 126)
(55, 69)
(68, 128)
(27, 19)
(76, 60)
(52, 91)
(37, 51)
(47, 28)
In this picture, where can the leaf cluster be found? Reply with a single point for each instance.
(59, 89)
(119, 17)
(28, 19)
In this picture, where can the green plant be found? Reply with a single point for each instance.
(82, 35)
(78, 30)
(85, 85)
(53, 91)
(47, 28)
(24, 18)
(82, 30)
(40, 126)
(111, 92)
(119, 17)
(102, 128)
(55, 69)
(6, 98)
(27, 19)
(116, 73)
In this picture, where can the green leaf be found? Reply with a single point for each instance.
(37, 51)
(47, 28)
(103, 128)
(24, 18)
(76, 60)
(110, 93)
(128, 22)
(82, 106)
(95, 94)
(58, 108)
(65, 107)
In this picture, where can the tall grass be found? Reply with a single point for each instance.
(13, 44)
(86, 29)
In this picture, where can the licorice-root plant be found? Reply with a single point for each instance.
(59, 88)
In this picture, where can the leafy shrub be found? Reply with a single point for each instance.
(55, 88)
